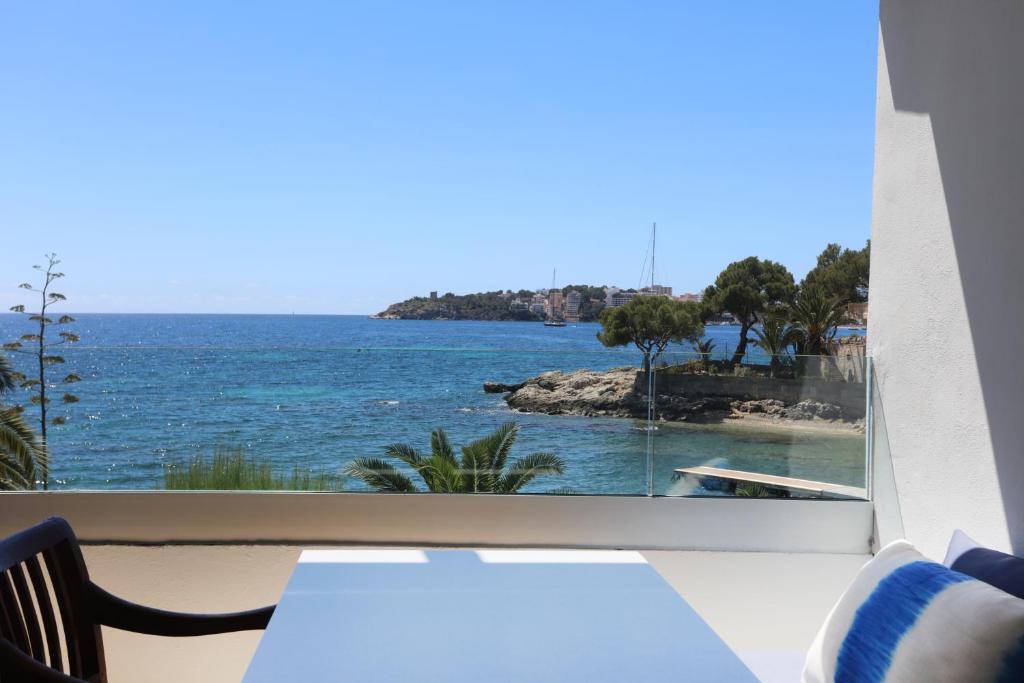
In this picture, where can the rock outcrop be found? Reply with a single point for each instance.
(583, 392)
(614, 392)
(499, 388)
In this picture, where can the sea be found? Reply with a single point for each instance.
(315, 392)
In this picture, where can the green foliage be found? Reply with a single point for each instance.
(817, 317)
(7, 376)
(488, 306)
(775, 336)
(842, 274)
(233, 470)
(480, 306)
(20, 452)
(751, 490)
(650, 323)
(483, 468)
(747, 289)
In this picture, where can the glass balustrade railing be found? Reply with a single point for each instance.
(354, 416)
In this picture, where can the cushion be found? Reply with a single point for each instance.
(1004, 571)
(905, 618)
(959, 544)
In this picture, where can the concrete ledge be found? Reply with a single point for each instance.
(731, 524)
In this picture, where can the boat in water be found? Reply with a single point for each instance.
(553, 318)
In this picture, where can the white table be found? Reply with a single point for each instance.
(486, 616)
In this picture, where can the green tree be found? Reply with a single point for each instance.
(747, 289)
(650, 323)
(483, 467)
(43, 352)
(20, 452)
(817, 317)
(774, 336)
(841, 273)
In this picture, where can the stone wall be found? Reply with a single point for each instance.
(850, 396)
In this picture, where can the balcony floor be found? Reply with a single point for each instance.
(766, 606)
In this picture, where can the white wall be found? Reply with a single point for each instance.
(947, 269)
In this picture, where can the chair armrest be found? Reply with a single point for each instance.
(21, 667)
(112, 611)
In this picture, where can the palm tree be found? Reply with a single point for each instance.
(481, 468)
(20, 450)
(704, 347)
(817, 317)
(775, 336)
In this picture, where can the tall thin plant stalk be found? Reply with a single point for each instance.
(36, 345)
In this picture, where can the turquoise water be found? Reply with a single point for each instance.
(318, 391)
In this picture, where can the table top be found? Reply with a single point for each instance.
(487, 615)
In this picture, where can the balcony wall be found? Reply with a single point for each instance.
(946, 277)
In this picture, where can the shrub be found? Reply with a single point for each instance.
(233, 470)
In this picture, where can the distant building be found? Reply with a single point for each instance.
(698, 297)
(573, 300)
(858, 313)
(656, 290)
(537, 304)
(518, 304)
(555, 304)
(433, 296)
(622, 297)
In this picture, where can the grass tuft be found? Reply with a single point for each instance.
(233, 470)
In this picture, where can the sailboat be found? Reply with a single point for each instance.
(552, 319)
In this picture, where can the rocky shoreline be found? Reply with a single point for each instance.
(614, 393)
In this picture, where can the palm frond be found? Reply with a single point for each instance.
(440, 446)
(817, 317)
(21, 454)
(484, 459)
(380, 474)
(499, 444)
(7, 376)
(775, 335)
(522, 471)
(406, 454)
(442, 474)
(477, 474)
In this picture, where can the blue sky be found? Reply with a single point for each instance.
(333, 157)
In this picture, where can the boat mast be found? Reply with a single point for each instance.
(651, 413)
(654, 245)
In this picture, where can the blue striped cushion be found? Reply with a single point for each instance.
(906, 618)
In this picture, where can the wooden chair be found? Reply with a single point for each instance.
(51, 613)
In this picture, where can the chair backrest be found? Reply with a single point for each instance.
(43, 609)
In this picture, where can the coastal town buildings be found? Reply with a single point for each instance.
(621, 298)
(656, 290)
(698, 297)
(518, 304)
